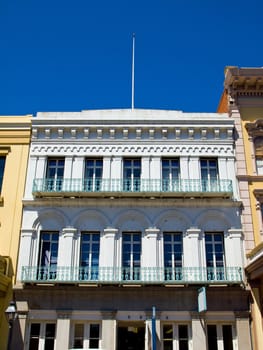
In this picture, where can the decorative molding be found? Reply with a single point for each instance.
(60, 149)
(213, 130)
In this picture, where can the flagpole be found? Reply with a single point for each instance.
(133, 51)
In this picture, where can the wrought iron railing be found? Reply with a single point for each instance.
(131, 186)
(125, 275)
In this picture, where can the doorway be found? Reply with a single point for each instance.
(131, 337)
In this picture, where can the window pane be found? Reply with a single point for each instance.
(78, 336)
(94, 334)
(50, 336)
(183, 337)
(168, 337)
(212, 337)
(48, 254)
(34, 336)
(94, 331)
(227, 337)
(94, 343)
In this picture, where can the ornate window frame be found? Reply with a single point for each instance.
(255, 131)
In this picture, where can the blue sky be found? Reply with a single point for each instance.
(70, 55)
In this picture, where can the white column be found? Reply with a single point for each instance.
(222, 168)
(234, 249)
(192, 254)
(145, 167)
(243, 331)
(107, 252)
(107, 167)
(26, 251)
(198, 332)
(231, 175)
(31, 169)
(155, 173)
(184, 169)
(194, 168)
(40, 167)
(77, 173)
(66, 252)
(108, 337)
(145, 173)
(116, 167)
(67, 184)
(78, 168)
(155, 168)
(150, 260)
(62, 332)
(116, 173)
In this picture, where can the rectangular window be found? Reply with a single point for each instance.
(183, 337)
(93, 174)
(78, 336)
(131, 174)
(214, 247)
(214, 335)
(258, 144)
(48, 254)
(86, 336)
(94, 336)
(89, 255)
(50, 336)
(175, 336)
(54, 174)
(259, 164)
(2, 168)
(168, 337)
(173, 251)
(34, 336)
(170, 174)
(227, 337)
(131, 256)
(209, 174)
(42, 336)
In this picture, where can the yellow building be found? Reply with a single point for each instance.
(14, 147)
(243, 100)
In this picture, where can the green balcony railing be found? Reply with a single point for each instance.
(78, 186)
(127, 275)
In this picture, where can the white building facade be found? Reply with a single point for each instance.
(127, 212)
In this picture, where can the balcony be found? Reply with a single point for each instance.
(128, 187)
(126, 275)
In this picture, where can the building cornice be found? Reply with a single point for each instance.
(15, 129)
(244, 83)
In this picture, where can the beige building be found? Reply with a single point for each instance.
(243, 100)
(14, 147)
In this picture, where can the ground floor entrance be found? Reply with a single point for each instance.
(131, 336)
